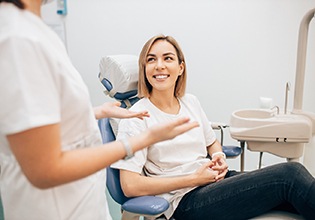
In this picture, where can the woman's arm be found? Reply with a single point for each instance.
(219, 163)
(134, 184)
(214, 147)
(42, 160)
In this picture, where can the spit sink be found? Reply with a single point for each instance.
(265, 130)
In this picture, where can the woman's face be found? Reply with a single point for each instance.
(162, 67)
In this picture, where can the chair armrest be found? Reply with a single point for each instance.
(146, 205)
(232, 151)
(218, 125)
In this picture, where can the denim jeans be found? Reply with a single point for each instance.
(246, 195)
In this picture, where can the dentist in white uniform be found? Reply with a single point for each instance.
(51, 157)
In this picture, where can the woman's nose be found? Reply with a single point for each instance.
(160, 64)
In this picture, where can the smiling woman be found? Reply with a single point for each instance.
(180, 171)
(163, 69)
(174, 53)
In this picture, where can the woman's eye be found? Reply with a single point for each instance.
(150, 59)
(168, 58)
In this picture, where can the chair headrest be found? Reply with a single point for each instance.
(119, 75)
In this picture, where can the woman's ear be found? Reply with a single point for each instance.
(181, 68)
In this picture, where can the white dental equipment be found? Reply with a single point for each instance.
(283, 134)
(309, 150)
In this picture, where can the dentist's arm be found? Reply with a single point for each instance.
(39, 153)
(134, 184)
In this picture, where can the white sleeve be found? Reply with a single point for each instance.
(29, 91)
(209, 134)
(208, 131)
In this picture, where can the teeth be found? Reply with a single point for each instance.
(161, 76)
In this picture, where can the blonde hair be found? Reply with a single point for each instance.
(144, 87)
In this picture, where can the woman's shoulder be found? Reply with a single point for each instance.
(191, 101)
(140, 105)
(189, 98)
(132, 126)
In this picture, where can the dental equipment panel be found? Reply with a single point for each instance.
(283, 134)
(266, 131)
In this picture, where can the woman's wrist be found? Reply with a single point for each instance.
(219, 153)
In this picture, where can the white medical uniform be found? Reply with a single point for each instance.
(40, 86)
(180, 156)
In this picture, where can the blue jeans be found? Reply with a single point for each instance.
(246, 195)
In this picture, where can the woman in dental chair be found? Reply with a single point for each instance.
(179, 169)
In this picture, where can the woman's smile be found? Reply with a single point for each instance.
(161, 77)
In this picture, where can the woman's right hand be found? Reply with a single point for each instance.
(205, 175)
(170, 130)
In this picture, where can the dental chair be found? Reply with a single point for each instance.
(122, 73)
(119, 75)
(132, 208)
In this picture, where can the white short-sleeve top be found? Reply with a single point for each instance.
(40, 86)
(180, 156)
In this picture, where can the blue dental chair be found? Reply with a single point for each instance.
(121, 84)
(132, 208)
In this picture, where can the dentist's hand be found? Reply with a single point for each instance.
(113, 110)
(161, 132)
(170, 130)
(220, 165)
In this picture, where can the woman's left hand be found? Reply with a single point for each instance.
(113, 110)
(220, 165)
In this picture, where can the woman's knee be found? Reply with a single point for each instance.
(292, 169)
(294, 166)
(288, 169)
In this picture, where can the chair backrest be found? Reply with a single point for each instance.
(112, 179)
(119, 76)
